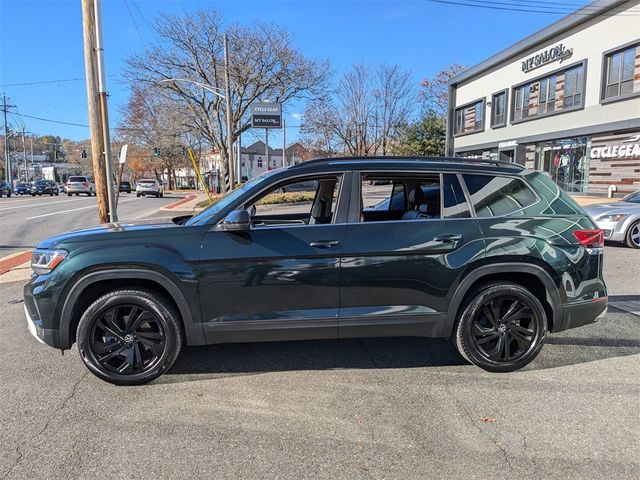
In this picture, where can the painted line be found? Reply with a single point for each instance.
(72, 210)
(31, 205)
(13, 260)
(189, 197)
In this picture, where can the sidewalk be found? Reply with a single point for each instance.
(585, 200)
(186, 205)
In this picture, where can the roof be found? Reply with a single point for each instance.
(578, 17)
(406, 162)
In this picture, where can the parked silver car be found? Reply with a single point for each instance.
(619, 220)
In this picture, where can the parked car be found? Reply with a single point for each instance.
(62, 188)
(5, 188)
(497, 261)
(620, 221)
(149, 187)
(44, 187)
(23, 189)
(125, 187)
(80, 184)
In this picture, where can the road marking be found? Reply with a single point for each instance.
(72, 210)
(31, 205)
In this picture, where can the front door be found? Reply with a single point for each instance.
(280, 280)
(398, 268)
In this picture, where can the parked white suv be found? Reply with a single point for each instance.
(149, 187)
(78, 185)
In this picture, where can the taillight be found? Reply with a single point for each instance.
(86, 184)
(590, 238)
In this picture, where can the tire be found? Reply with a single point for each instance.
(632, 239)
(157, 195)
(9, 194)
(155, 341)
(69, 194)
(138, 195)
(523, 333)
(77, 194)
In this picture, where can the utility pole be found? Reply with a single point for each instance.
(227, 96)
(266, 146)
(7, 159)
(239, 146)
(284, 143)
(24, 155)
(98, 115)
(31, 146)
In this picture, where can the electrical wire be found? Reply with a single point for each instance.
(53, 121)
(535, 8)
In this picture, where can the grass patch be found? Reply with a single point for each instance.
(272, 198)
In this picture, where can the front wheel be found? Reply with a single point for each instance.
(501, 327)
(129, 336)
(633, 235)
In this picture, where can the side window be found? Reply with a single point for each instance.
(495, 196)
(311, 201)
(377, 194)
(455, 205)
(405, 198)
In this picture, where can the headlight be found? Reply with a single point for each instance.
(44, 261)
(611, 218)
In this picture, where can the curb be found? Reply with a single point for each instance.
(13, 260)
(186, 199)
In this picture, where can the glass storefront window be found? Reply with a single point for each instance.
(566, 161)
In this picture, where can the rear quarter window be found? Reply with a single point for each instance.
(496, 196)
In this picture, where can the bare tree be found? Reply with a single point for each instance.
(158, 123)
(264, 65)
(365, 113)
(434, 92)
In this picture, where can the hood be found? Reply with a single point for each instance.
(611, 208)
(98, 232)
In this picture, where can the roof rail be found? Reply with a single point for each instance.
(497, 163)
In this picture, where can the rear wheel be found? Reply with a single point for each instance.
(501, 327)
(69, 194)
(129, 336)
(633, 235)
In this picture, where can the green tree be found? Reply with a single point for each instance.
(425, 137)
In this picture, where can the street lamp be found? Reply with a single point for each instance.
(227, 97)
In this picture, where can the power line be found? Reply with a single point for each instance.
(532, 8)
(23, 84)
(126, 2)
(53, 121)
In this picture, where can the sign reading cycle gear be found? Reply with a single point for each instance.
(266, 115)
(557, 53)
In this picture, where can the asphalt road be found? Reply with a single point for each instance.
(376, 408)
(25, 220)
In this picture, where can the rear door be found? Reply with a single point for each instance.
(396, 273)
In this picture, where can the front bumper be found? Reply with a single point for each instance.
(614, 231)
(35, 323)
(147, 192)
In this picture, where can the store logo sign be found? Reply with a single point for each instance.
(558, 53)
(630, 148)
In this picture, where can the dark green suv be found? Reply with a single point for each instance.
(487, 253)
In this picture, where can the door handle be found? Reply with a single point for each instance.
(324, 243)
(453, 238)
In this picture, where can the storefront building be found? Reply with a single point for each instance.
(565, 100)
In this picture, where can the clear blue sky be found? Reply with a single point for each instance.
(42, 41)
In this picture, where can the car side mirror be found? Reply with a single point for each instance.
(236, 221)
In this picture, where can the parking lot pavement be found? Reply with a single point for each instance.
(374, 408)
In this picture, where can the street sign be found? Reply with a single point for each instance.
(123, 154)
(266, 115)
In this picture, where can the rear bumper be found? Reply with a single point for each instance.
(583, 313)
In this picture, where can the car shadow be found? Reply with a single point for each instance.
(218, 361)
(213, 361)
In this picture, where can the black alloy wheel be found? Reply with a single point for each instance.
(129, 337)
(502, 327)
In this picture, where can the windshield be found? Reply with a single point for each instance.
(77, 179)
(633, 198)
(207, 213)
